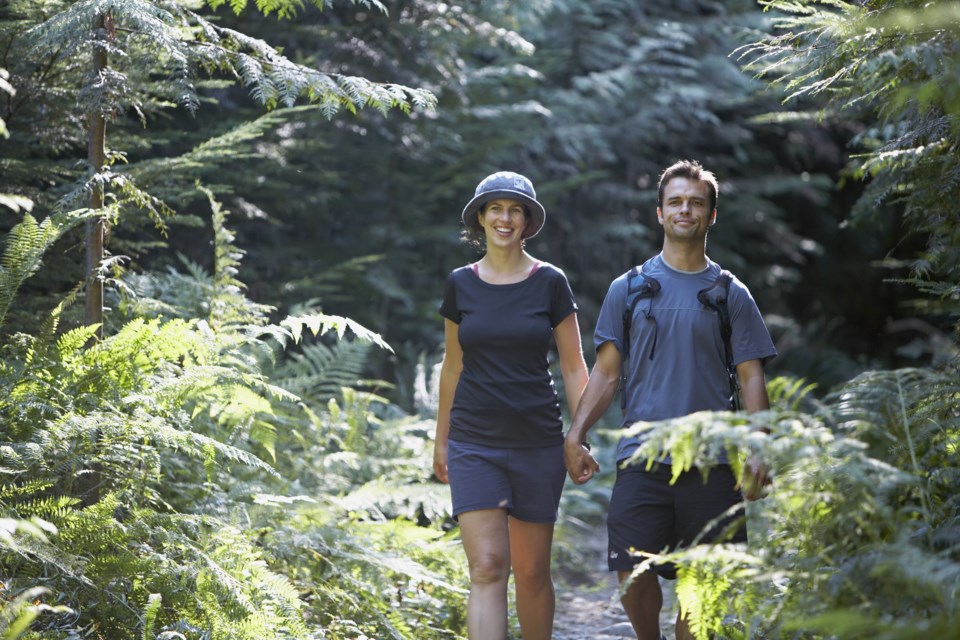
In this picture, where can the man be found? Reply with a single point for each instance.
(675, 365)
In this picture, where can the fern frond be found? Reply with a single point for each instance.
(320, 371)
(154, 602)
(15, 203)
(218, 150)
(383, 500)
(55, 508)
(48, 328)
(25, 245)
(71, 342)
(319, 323)
(28, 487)
(699, 592)
(198, 444)
(35, 528)
(20, 610)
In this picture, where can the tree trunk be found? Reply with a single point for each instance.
(95, 231)
(97, 157)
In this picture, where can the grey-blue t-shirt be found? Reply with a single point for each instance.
(506, 396)
(676, 364)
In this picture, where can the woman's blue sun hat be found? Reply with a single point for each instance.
(507, 184)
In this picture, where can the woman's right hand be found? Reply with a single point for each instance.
(440, 461)
(450, 370)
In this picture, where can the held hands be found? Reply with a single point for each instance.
(581, 465)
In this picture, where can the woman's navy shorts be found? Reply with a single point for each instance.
(647, 513)
(525, 482)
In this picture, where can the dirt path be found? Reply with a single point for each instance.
(587, 604)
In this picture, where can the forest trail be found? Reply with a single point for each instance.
(587, 604)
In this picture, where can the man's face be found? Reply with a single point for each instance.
(685, 212)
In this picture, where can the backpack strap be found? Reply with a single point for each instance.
(715, 297)
(640, 286)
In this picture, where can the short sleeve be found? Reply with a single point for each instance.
(449, 308)
(751, 339)
(610, 321)
(563, 302)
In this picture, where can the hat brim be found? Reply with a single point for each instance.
(538, 214)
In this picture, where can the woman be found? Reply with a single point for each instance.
(499, 439)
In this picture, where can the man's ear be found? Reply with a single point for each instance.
(659, 215)
(713, 218)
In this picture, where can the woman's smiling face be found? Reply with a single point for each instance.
(503, 220)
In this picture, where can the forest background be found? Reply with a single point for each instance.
(226, 231)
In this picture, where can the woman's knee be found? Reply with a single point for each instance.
(489, 568)
(534, 575)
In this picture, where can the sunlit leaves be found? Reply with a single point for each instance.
(855, 531)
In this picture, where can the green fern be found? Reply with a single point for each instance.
(20, 610)
(154, 602)
(170, 414)
(273, 79)
(25, 245)
(319, 372)
(791, 394)
(703, 592)
(378, 579)
(852, 536)
(285, 8)
(319, 323)
(891, 63)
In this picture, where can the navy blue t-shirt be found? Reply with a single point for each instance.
(505, 396)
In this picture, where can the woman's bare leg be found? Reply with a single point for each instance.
(530, 544)
(486, 540)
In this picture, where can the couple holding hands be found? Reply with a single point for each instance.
(500, 442)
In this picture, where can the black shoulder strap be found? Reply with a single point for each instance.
(639, 287)
(715, 297)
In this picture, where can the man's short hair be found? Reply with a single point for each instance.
(691, 170)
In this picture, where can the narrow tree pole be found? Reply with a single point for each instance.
(97, 157)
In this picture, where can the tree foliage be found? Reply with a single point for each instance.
(179, 420)
(894, 63)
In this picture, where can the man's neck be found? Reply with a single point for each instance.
(683, 257)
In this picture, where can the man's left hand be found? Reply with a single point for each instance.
(755, 479)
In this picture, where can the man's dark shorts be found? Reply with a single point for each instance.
(647, 513)
(527, 483)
